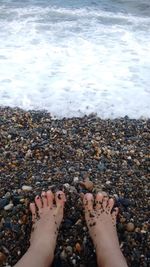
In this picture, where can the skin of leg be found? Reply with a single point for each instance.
(101, 222)
(46, 218)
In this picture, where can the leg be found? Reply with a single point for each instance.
(101, 222)
(46, 218)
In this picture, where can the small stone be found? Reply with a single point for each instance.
(130, 227)
(78, 247)
(9, 136)
(80, 153)
(87, 184)
(66, 185)
(69, 250)
(28, 154)
(74, 261)
(116, 196)
(78, 222)
(137, 162)
(101, 166)
(22, 200)
(7, 194)
(108, 182)
(27, 188)
(2, 221)
(19, 252)
(2, 258)
(124, 201)
(76, 179)
(3, 202)
(122, 220)
(137, 230)
(9, 206)
(63, 255)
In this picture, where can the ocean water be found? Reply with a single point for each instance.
(75, 57)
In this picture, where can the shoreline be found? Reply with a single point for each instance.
(44, 153)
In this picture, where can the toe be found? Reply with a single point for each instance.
(33, 211)
(99, 198)
(38, 202)
(114, 215)
(105, 201)
(110, 204)
(50, 198)
(88, 202)
(44, 199)
(60, 199)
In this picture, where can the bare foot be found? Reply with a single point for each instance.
(101, 222)
(46, 218)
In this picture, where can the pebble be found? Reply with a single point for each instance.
(130, 227)
(66, 185)
(101, 166)
(76, 180)
(78, 247)
(108, 182)
(69, 250)
(3, 202)
(63, 255)
(9, 206)
(122, 220)
(87, 184)
(124, 201)
(2, 258)
(28, 154)
(27, 188)
(74, 261)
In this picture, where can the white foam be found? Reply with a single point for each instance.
(75, 61)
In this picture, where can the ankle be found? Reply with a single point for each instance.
(43, 249)
(115, 259)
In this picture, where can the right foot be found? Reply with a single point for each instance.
(46, 218)
(101, 222)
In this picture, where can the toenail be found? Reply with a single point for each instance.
(89, 197)
(59, 196)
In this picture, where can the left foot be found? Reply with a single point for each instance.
(46, 218)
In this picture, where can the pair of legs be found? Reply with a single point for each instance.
(101, 221)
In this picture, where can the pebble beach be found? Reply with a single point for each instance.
(76, 155)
